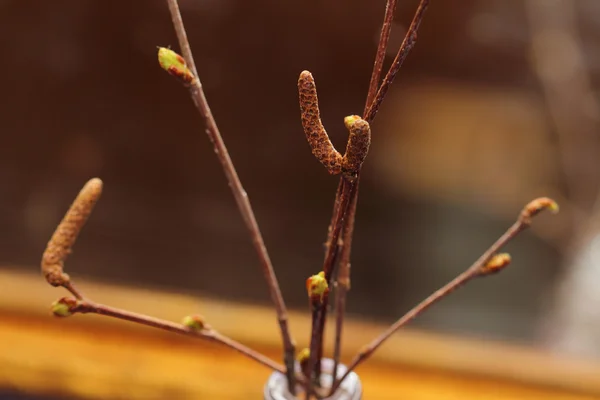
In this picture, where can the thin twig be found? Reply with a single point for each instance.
(73, 290)
(343, 283)
(341, 289)
(478, 268)
(346, 194)
(318, 291)
(61, 245)
(208, 333)
(386, 28)
(313, 374)
(334, 215)
(240, 195)
(316, 343)
(328, 245)
(410, 39)
(347, 190)
(375, 98)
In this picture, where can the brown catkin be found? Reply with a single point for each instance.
(66, 233)
(358, 145)
(319, 142)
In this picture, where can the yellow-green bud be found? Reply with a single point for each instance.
(194, 322)
(496, 264)
(317, 286)
(175, 65)
(64, 307)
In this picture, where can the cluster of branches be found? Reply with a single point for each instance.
(335, 272)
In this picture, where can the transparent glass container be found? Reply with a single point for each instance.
(350, 389)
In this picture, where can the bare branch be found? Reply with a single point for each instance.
(68, 306)
(240, 195)
(410, 39)
(488, 263)
(386, 28)
(375, 98)
(343, 285)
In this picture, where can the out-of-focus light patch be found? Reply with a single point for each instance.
(591, 106)
(42, 210)
(82, 155)
(490, 29)
(592, 274)
(486, 146)
(65, 57)
(591, 8)
(564, 66)
(573, 327)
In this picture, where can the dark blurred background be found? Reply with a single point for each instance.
(495, 106)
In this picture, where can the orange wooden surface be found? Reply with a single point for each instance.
(94, 357)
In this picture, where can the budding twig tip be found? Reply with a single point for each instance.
(496, 264)
(538, 205)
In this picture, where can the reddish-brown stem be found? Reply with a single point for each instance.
(340, 309)
(314, 360)
(240, 195)
(320, 314)
(476, 269)
(328, 248)
(410, 39)
(374, 99)
(334, 215)
(87, 306)
(73, 290)
(343, 282)
(349, 188)
(384, 37)
(346, 190)
(346, 193)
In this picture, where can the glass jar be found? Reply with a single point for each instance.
(350, 389)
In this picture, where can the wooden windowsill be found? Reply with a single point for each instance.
(97, 358)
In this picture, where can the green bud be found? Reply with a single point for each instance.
(317, 286)
(64, 307)
(194, 322)
(303, 355)
(175, 65)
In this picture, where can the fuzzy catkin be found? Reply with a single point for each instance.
(359, 142)
(315, 132)
(65, 235)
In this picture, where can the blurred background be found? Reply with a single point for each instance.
(496, 105)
